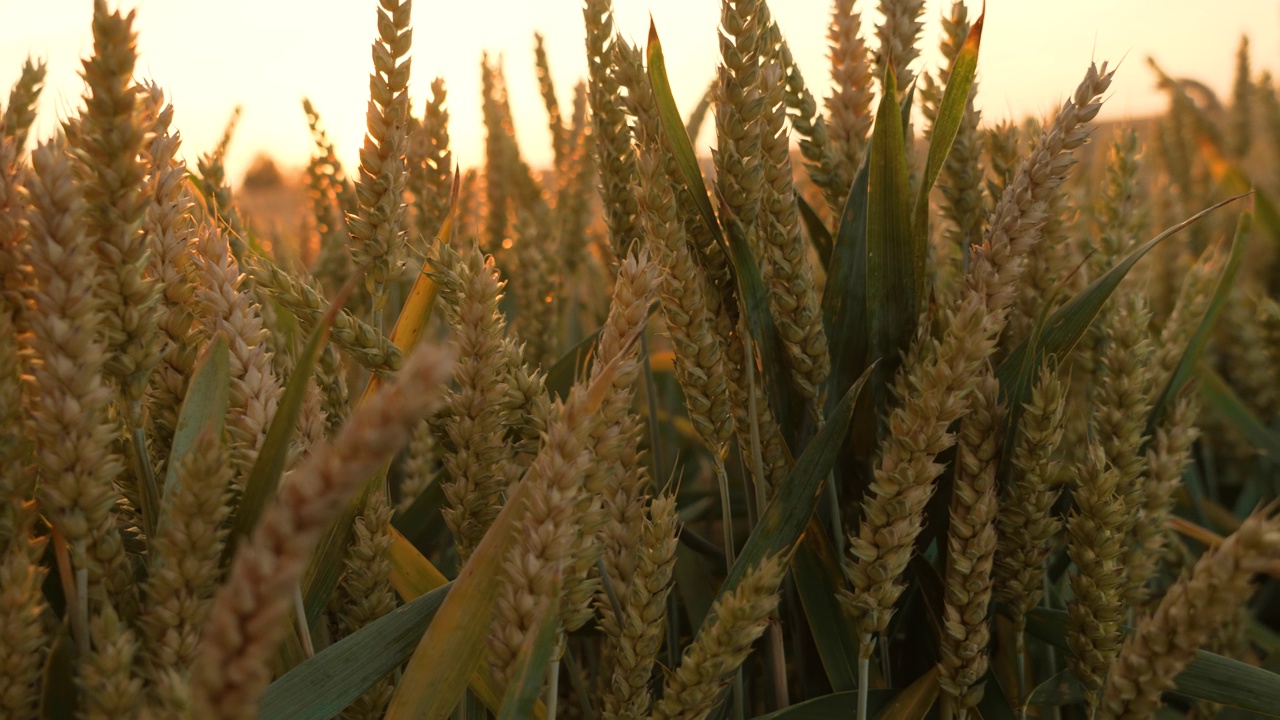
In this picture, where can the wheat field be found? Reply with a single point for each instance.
(885, 409)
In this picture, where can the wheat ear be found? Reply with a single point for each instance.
(1166, 641)
(111, 140)
(377, 228)
(614, 156)
(476, 456)
(185, 568)
(971, 549)
(69, 399)
(737, 619)
(636, 638)
(1095, 543)
(226, 307)
(364, 593)
(21, 110)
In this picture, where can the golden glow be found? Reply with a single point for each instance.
(268, 54)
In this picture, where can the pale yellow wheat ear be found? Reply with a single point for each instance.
(551, 534)
(170, 233)
(475, 454)
(686, 293)
(184, 569)
(1166, 641)
(788, 275)
(1167, 458)
(816, 145)
(20, 112)
(361, 341)
(849, 110)
(1026, 522)
(724, 641)
(971, 549)
(1095, 542)
(898, 33)
(365, 594)
(437, 166)
(377, 228)
(1123, 399)
(636, 638)
(611, 138)
(250, 612)
(109, 144)
(615, 431)
(78, 465)
(225, 306)
(739, 113)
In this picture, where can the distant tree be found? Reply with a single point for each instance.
(262, 174)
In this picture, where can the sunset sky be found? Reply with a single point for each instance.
(268, 54)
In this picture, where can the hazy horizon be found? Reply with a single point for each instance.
(267, 57)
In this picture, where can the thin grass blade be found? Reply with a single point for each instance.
(1187, 365)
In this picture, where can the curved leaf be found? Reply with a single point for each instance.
(783, 522)
(324, 684)
(674, 130)
(946, 126)
(1209, 677)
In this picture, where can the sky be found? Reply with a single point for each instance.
(267, 55)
